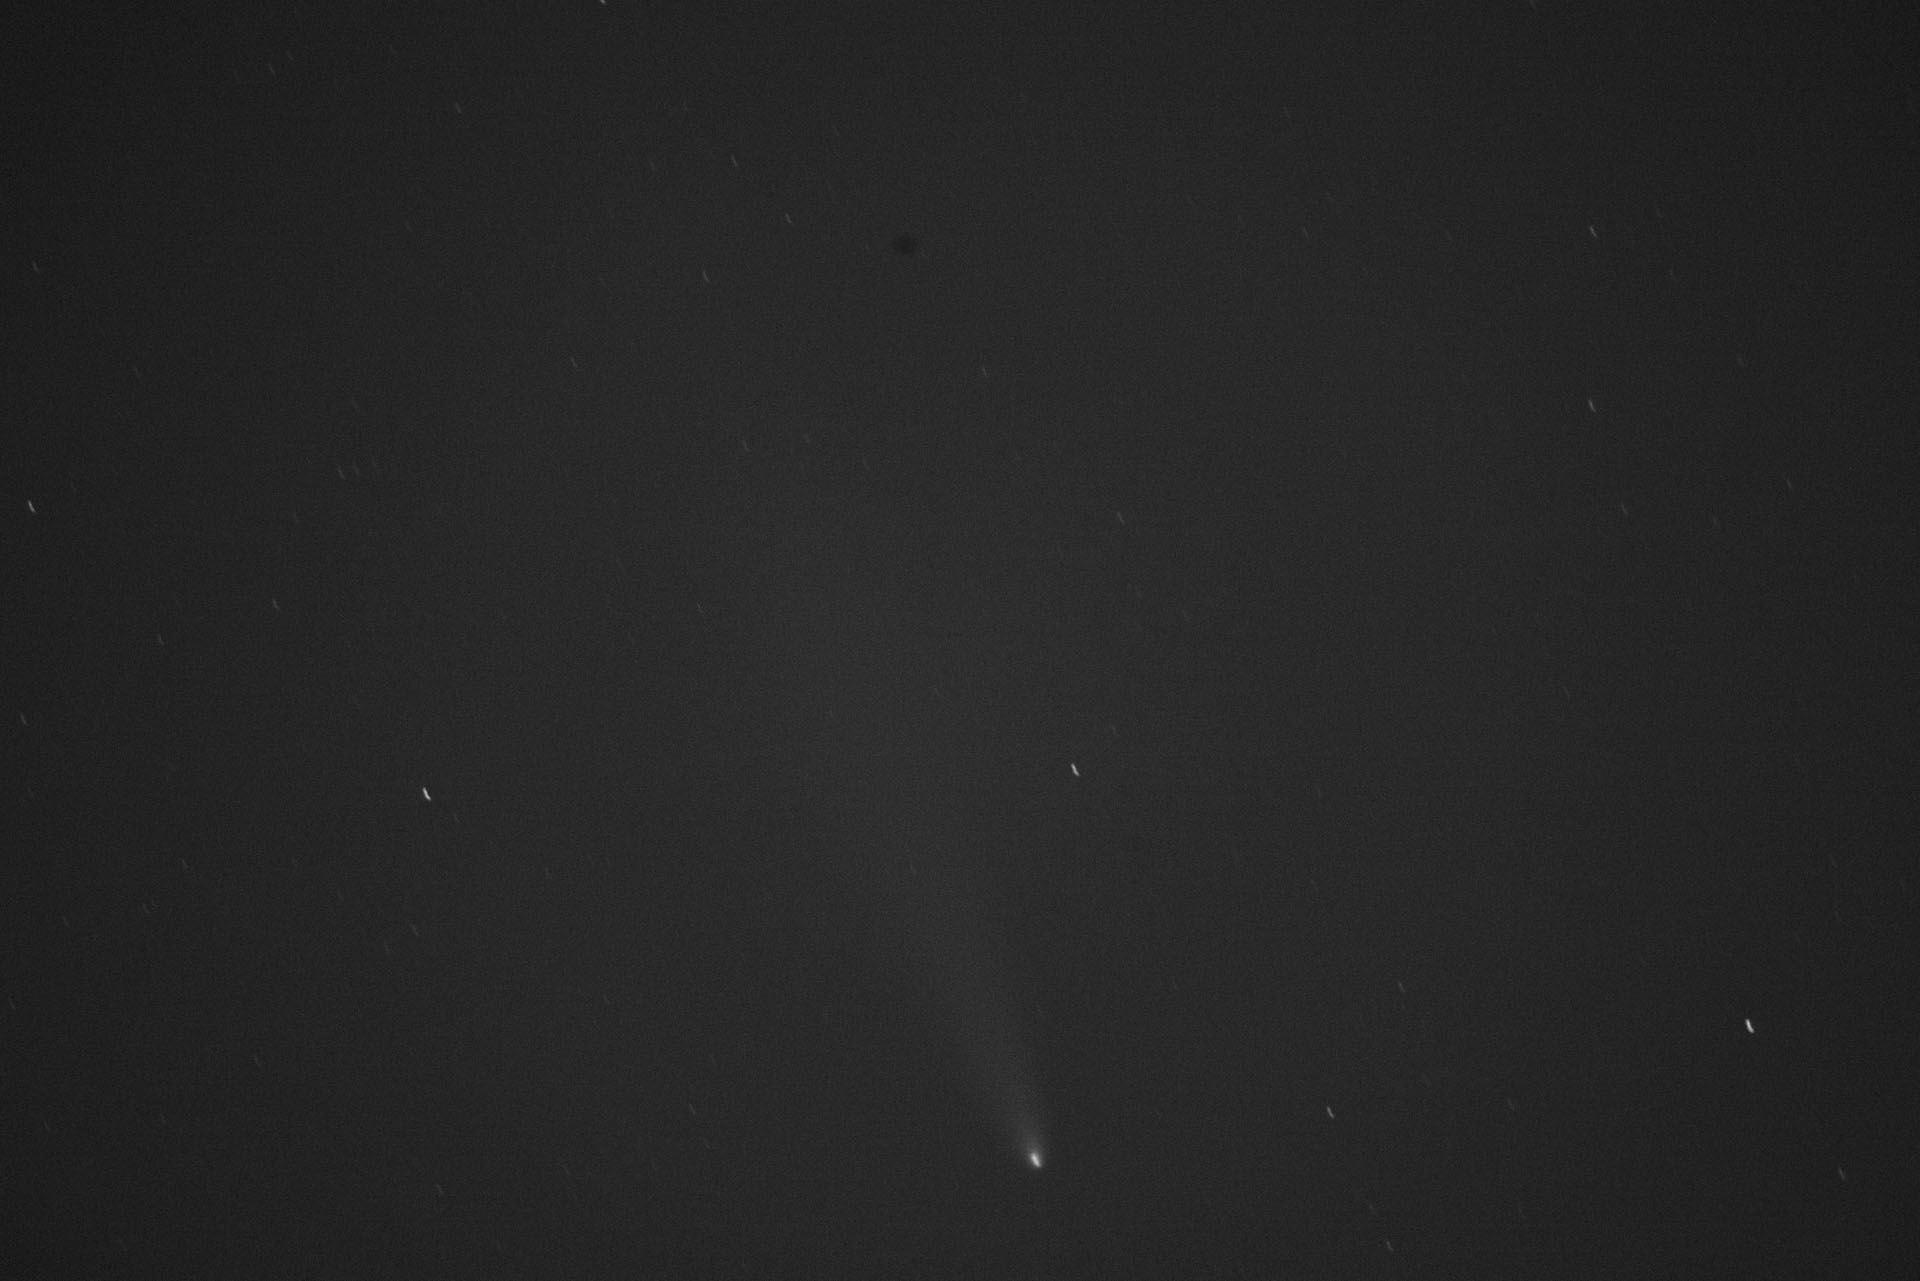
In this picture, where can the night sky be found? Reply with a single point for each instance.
(1008, 640)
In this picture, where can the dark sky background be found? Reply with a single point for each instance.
(637, 642)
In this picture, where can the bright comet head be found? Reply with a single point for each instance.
(1035, 1157)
